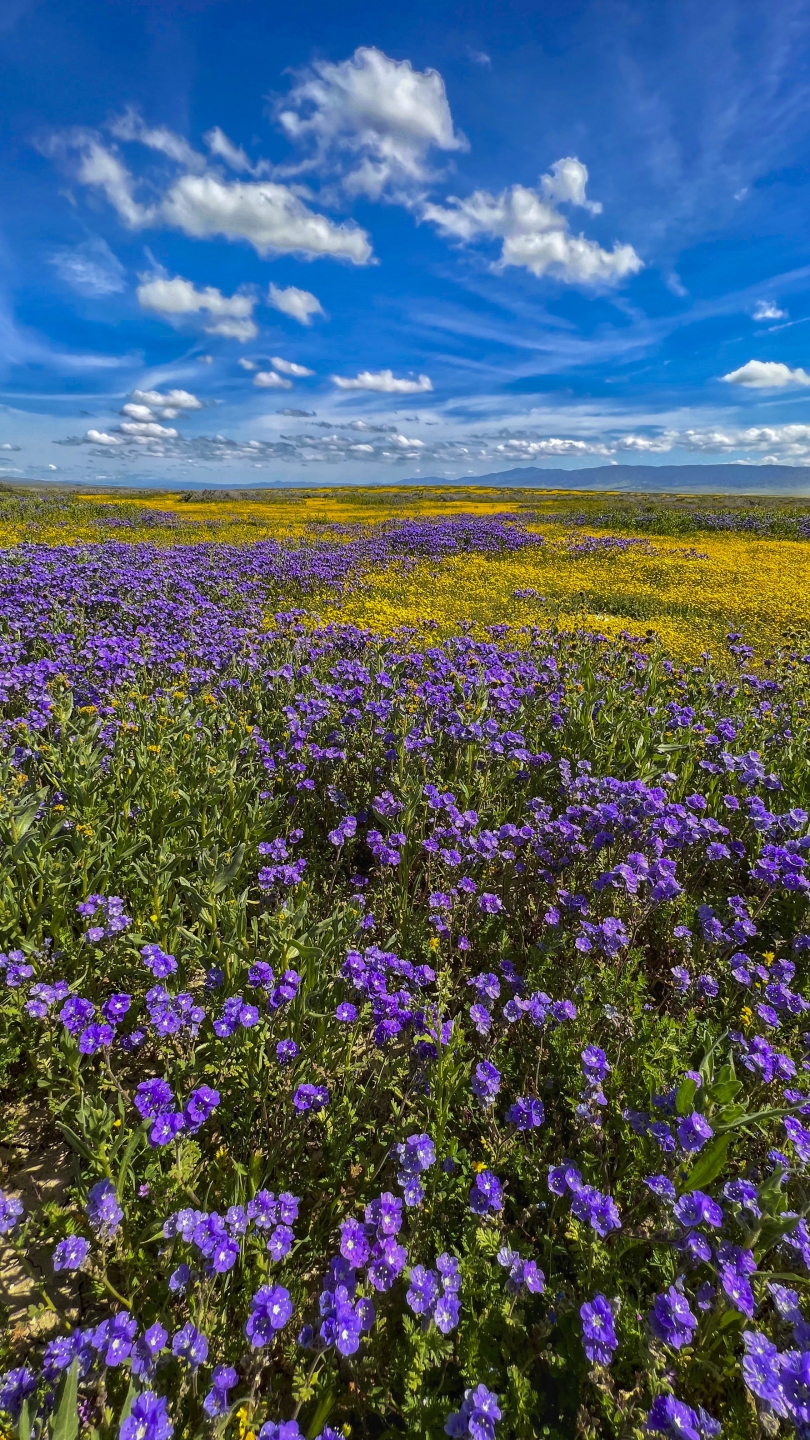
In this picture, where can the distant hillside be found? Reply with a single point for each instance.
(762, 479)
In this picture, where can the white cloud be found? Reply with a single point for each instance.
(168, 403)
(8, 446)
(130, 126)
(529, 449)
(479, 57)
(98, 437)
(178, 399)
(300, 305)
(767, 310)
(383, 381)
(233, 155)
(534, 234)
(90, 268)
(148, 428)
(205, 359)
(99, 167)
(269, 216)
(137, 412)
(382, 113)
(230, 315)
(566, 184)
(288, 367)
(247, 364)
(791, 441)
(269, 380)
(648, 444)
(766, 375)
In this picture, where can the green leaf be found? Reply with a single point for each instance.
(708, 1166)
(24, 1423)
(229, 872)
(65, 1423)
(128, 1403)
(75, 1140)
(685, 1098)
(321, 1415)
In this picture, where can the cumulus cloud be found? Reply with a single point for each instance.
(384, 381)
(230, 315)
(8, 446)
(317, 442)
(169, 402)
(380, 114)
(533, 233)
(566, 184)
(99, 437)
(269, 380)
(289, 367)
(766, 375)
(90, 268)
(247, 364)
(553, 445)
(148, 428)
(268, 215)
(300, 305)
(767, 310)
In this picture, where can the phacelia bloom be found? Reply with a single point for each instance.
(76, 1013)
(671, 1319)
(283, 1430)
(600, 1211)
(598, 1333)
(160, 964)
(354, 1243)
(673, 1418)
(662, 1187)
(148, 1419)
(286, 1051)
(311, 1097)
(152, 1098)
(16, 1386)
(103, 1210)
(70, 1253)
(486, 1193)
(272, 1308)
(489, 904)
(201, 1103)
(223, 1379)
(191, 1345)
(477, 1417)
(595, 1065)
(346, 1013)
(10, 1211)
(526, 1113)
(696, 1209)
(486, 1082)
(113, 1339)
(694, 1131)
(280, 1243)
(146, 1350)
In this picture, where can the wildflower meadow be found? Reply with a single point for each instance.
(404, 973)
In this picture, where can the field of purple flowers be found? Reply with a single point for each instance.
(419, 1025)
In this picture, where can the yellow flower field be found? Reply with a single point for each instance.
(688, 589)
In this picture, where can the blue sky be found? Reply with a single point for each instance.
(251, 242)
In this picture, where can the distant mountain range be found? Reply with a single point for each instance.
(754, 479)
